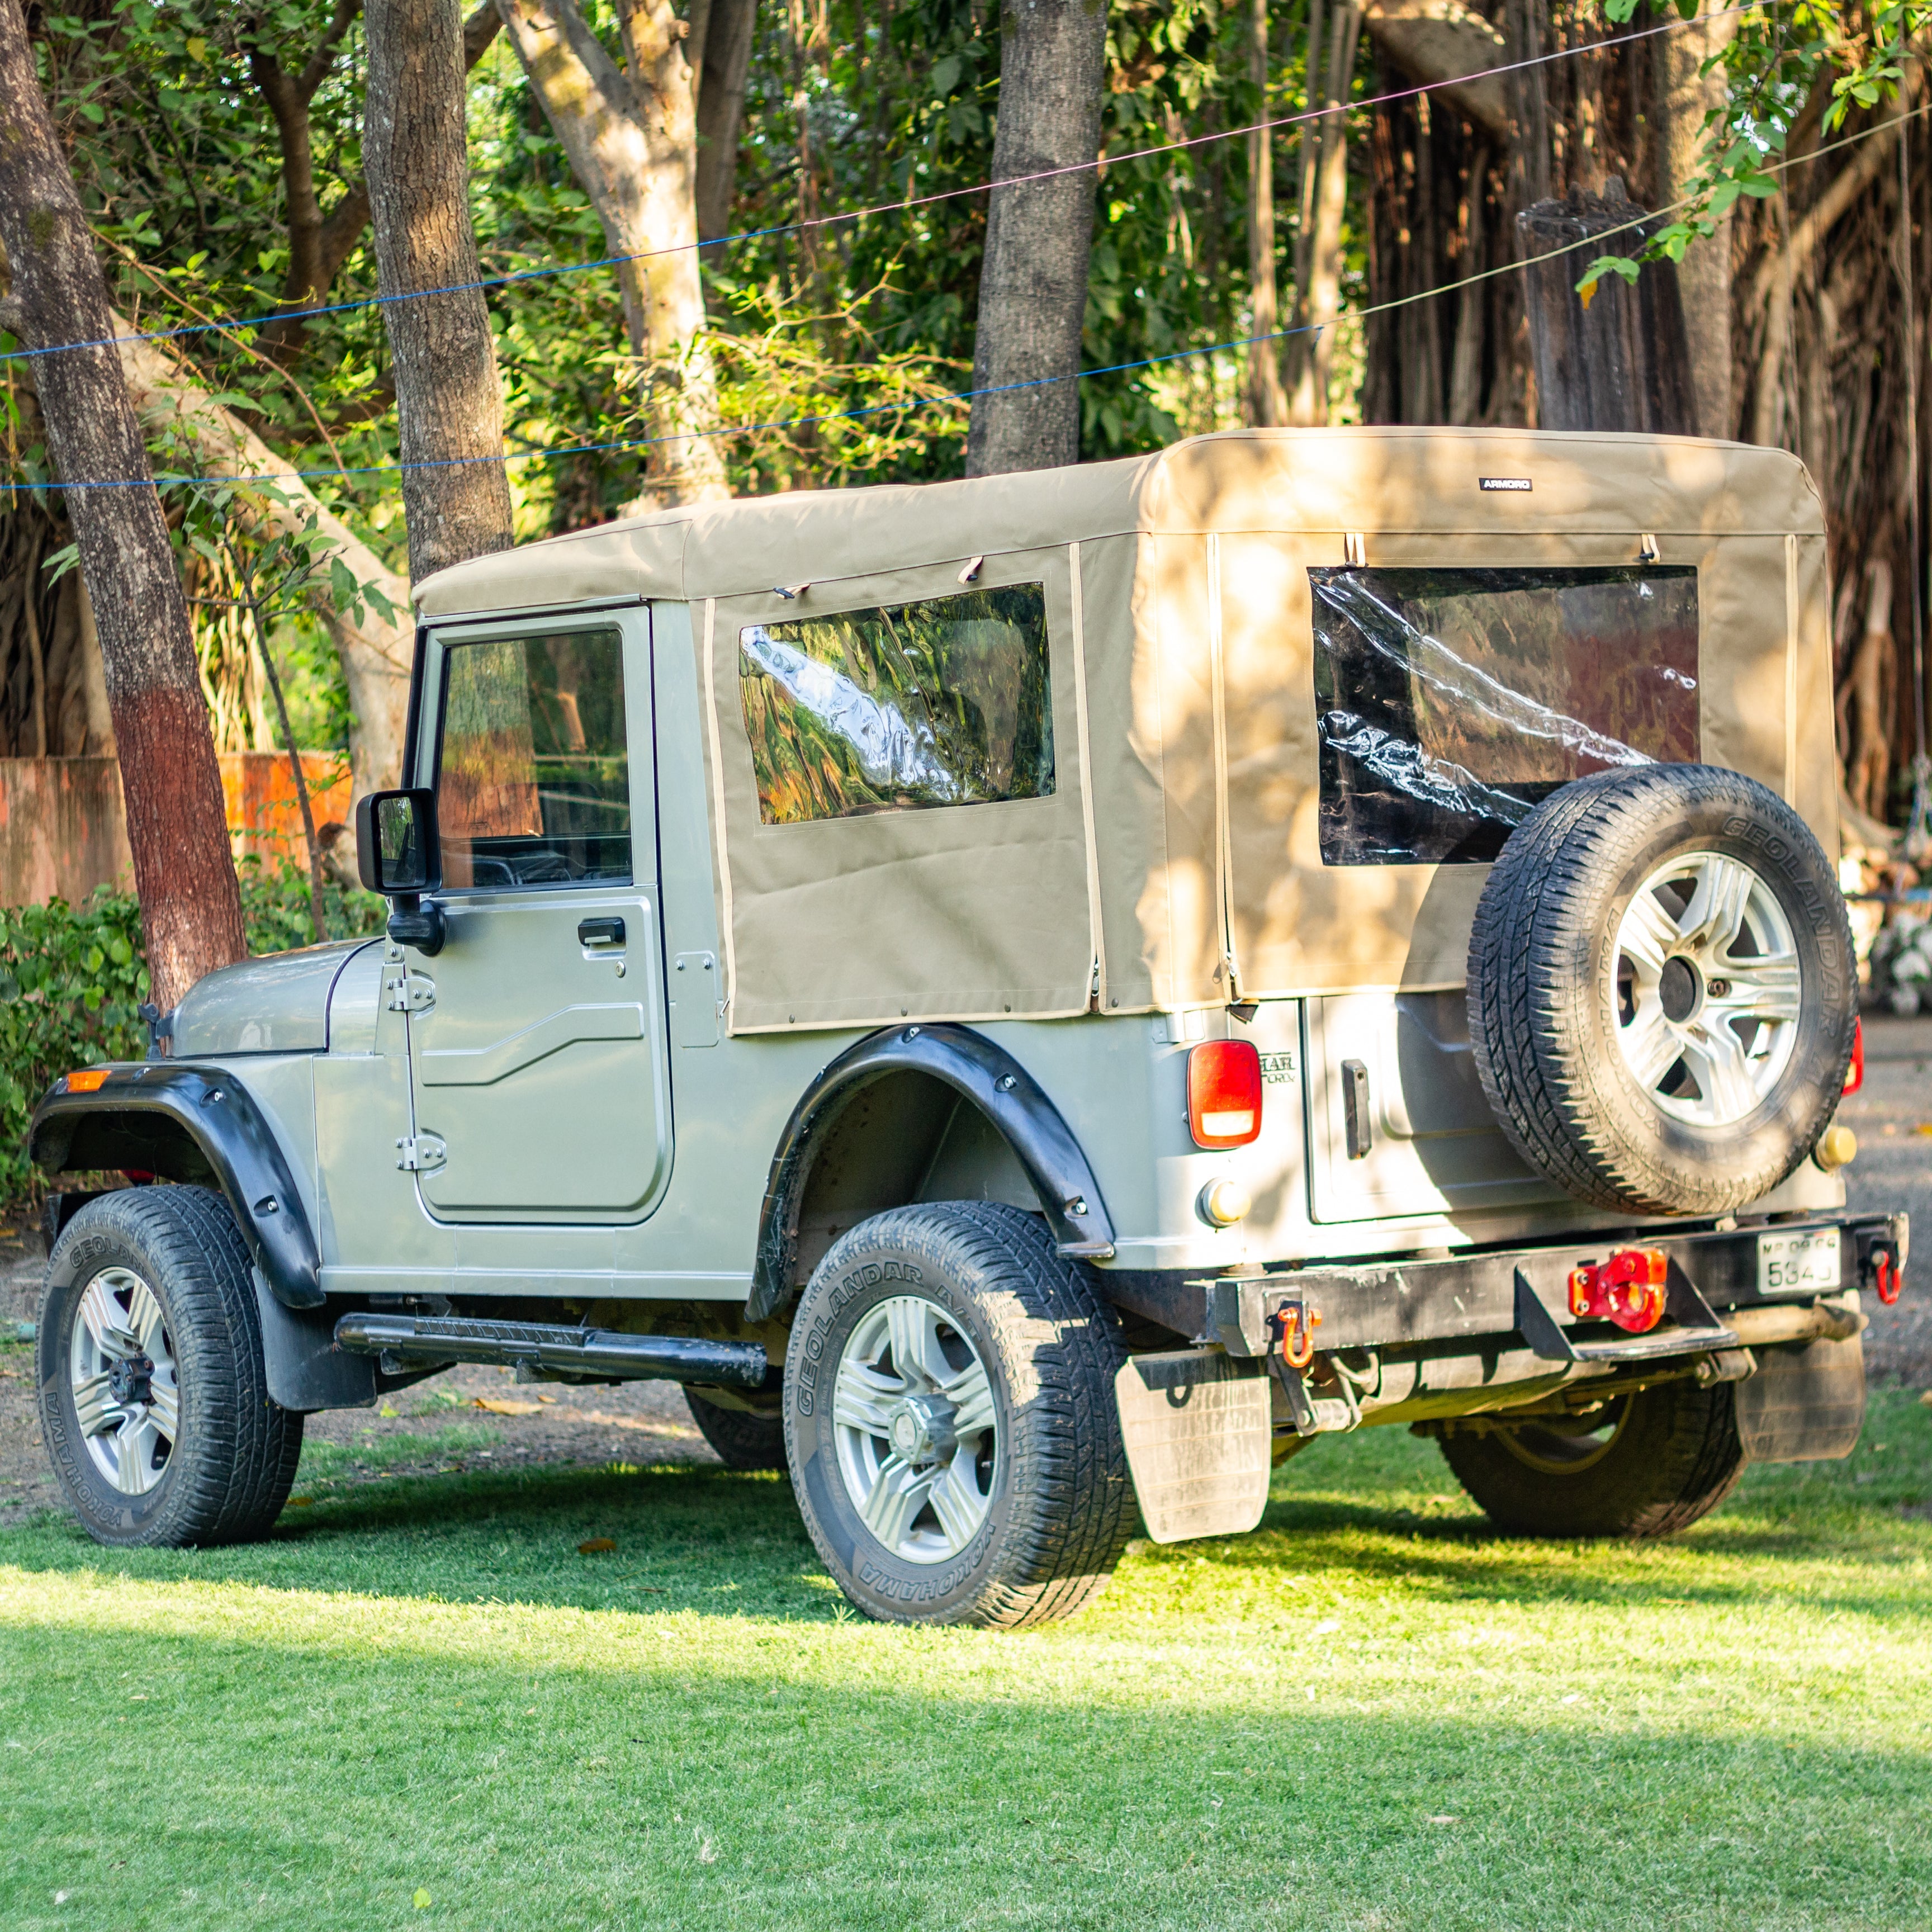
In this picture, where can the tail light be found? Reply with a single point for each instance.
(1628, 1289)
(1855, 1074)
(1224, 1093)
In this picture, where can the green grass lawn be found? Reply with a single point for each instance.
(1372, 1713)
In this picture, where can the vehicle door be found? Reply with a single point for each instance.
(537, 1033)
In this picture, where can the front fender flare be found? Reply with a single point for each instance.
(235, 1140)
(987, 1075)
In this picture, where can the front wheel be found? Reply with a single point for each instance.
(950, 1422)
(1646, 1465)
(154, 1395)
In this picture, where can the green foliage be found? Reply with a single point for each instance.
(275, 907)
(71, 978)
(1775, 68)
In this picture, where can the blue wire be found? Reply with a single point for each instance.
(170, 479)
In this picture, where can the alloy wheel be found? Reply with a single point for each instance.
(126, 1389)
(917, 1429)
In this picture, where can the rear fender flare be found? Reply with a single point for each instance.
(236, 1145)
(1012, 1100)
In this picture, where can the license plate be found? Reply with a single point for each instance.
(1808, 1261)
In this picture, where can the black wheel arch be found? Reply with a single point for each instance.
(198, 1125)
(983, 1073)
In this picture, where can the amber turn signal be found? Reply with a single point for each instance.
(90, 1081)
(1224, 1093)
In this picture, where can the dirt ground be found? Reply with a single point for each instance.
(648, 1422)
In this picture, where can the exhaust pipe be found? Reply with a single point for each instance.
(417, 1339)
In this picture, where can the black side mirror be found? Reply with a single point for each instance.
(399, 854)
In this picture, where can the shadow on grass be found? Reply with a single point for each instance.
(704, 1785)
(694, 1536)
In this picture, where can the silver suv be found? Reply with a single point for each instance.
(1035, 999)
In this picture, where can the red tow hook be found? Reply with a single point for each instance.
(1888, 1277)
(1627, 1289)
(1295, 1324)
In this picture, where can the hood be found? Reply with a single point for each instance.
(278, 1004)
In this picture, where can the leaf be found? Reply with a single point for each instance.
(597, 1546)
(502, 1406)
(422, 1901)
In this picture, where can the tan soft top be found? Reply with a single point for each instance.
(1177, 860)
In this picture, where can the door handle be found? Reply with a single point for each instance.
(600, 932)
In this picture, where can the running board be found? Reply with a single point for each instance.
(1693, 1329)
(421, 1338)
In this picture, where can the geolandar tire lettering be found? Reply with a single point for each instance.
(950, 1420)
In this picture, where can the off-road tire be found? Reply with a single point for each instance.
(1674, 1457)
(1542, 990)
(1061, 1502)
(234, 1457)
(741, 1440)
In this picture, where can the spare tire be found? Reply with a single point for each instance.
(1662, 990)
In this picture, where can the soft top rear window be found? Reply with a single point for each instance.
(1449, 703)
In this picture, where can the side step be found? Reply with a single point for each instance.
(419, 1339)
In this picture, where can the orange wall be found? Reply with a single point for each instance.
(63, 831)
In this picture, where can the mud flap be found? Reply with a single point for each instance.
(1805, 1404)
(307, 1372)
(1197, 1434)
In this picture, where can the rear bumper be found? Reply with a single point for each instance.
(1464, 1302)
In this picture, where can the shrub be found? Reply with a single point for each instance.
(72, 980)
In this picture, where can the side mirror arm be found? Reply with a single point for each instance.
(413, 923)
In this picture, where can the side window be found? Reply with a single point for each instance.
(533, 777)
(944, 703)
(1449, 703)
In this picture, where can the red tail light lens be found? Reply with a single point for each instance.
(1855, 1074)
(1224, 1093)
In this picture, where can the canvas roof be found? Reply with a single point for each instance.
(1177, 859)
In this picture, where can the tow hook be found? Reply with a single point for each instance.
(1880, 1270)
(1291, 1328)
(1627, 1289)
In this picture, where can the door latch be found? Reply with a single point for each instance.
(418, 1153)
(410, 993)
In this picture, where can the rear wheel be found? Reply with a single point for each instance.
(743, 1441)
(950, 1421)
(153, 1396)
(1646, 1465)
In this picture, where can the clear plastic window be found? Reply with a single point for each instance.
(1449, 703)
(944, 703)
(533, 777)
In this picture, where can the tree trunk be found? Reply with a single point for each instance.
(1033, 281)
(1267, 405)
(632, 142)
(1621, 364)
(730, 27)
(319, 245)
(1704, 275)
(190, 906)
(449, 403)
(1319, 297)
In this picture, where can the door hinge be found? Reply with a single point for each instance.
(417, 1153)
(410, 993)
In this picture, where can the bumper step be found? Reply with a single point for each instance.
(418, 1339)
